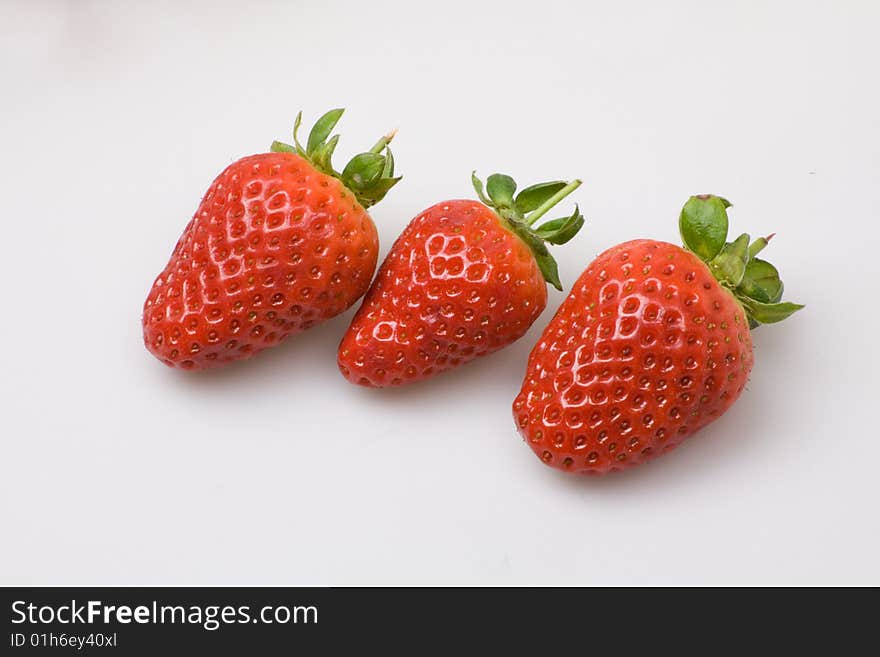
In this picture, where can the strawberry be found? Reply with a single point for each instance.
(653, 342)
(280, 242)
(464, 279)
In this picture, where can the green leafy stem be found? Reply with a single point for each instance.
(368, 175)
(755, 283)
(520, 213)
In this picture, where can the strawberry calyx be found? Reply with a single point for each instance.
(367, 175)
(703, 224)
(520, 212)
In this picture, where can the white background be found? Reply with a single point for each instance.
(117, 116)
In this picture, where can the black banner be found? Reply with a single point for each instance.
(262, 621)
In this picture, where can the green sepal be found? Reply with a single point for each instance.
(281, 147)
(729, 266)
(376, 191)
(754, 282)
(478, 188)
(368, 175)
(500, 189)
(388, 170)
(703, 225)
(769, 313)
(531, 197)
(363, 170)
(322, 156)
(520, 213)
(546, 262)
(322, 129)
(297, 122)
(560, 231)
(761, 282)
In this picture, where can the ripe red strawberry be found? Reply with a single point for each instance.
(463, 280)
(280, 242)
(652, 343)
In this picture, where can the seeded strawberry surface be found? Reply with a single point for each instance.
(274, 248)
(647, 349)
(456, 285)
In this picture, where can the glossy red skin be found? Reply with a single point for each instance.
(647, 349)
(455, 286)
(274, 248)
